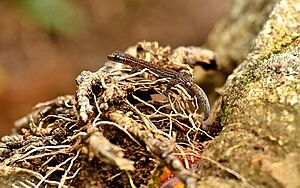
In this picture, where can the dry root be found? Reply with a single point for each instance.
(118, 130)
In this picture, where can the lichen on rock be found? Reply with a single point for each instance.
(261, 131)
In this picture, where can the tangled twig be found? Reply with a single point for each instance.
(117, 119)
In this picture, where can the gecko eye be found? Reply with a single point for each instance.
(116, 56)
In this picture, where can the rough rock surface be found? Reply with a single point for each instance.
(260, 110)
(233, 35)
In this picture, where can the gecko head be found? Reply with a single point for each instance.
(116, 56)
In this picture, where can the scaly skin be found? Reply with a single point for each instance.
(174, 77)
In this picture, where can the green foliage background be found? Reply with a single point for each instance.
(60, 16)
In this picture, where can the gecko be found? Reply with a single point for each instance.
(174, 77)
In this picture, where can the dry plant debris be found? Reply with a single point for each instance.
(119, 130)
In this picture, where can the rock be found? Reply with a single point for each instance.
(260, 106)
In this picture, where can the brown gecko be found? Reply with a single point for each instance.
(174, 78)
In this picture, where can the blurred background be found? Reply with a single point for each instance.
(45, 44)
